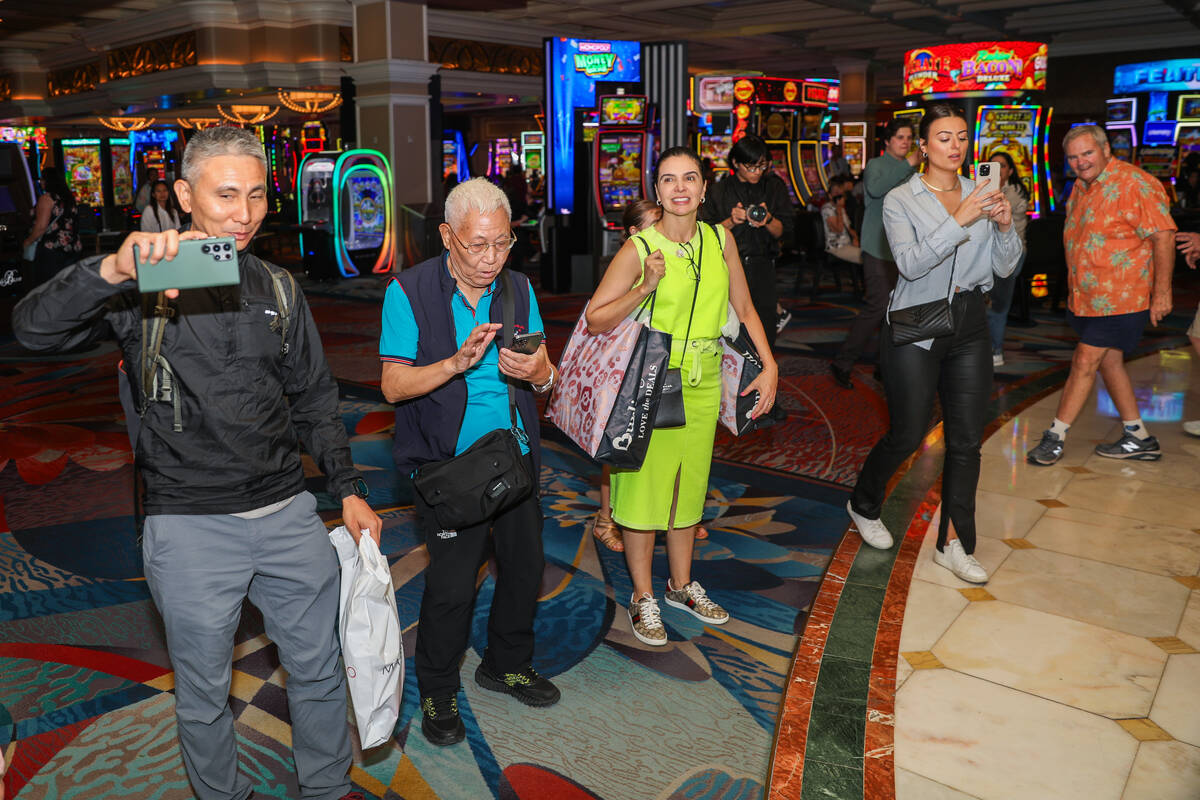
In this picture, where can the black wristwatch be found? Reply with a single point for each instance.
(359, 487)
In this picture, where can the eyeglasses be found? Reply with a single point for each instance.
(761, 166)
(479, 248)
(686, 250)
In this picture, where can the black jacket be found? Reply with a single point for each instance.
(246, 407)
(770, 189)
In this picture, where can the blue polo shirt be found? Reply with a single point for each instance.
(487, 394)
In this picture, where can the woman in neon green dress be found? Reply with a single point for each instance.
(695, 273)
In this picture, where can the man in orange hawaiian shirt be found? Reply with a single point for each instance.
(1119, 239)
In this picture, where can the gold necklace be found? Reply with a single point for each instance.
(938, 188)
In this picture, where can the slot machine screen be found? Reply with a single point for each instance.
(623, 110)
(366, 211)
(449, 158)
(779, 165)
(81, 166)
(620, 170)
(317, 193)
(717, 148)
(122, 174)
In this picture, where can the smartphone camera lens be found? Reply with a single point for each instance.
(204, 248)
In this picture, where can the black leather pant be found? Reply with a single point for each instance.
(879, 278)
(959, 369)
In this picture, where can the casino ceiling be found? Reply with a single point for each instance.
(801, 38)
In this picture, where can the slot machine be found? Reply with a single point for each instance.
(620, 160)
(344, 200)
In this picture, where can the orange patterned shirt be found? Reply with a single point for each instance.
(1110, 258)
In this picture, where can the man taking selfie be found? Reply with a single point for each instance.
(239, 381)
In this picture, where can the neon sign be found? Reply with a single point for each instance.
(978, 66)
(1176, 75)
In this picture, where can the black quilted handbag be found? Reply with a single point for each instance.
(924, 321)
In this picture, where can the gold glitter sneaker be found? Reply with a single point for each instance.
(646, 621)
(693, 599)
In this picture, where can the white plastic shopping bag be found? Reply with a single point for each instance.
(369, 628)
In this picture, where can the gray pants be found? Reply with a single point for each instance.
(879, 276)
(199, 568)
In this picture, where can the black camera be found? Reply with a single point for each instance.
(756, 213)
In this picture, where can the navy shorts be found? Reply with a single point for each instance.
(1119, 331)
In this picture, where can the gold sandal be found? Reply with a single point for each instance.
(609, 533)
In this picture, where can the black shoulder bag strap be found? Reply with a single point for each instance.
(507, 314)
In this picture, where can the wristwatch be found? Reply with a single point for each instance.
(359, 488)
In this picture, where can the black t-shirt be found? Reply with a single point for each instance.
(726, 194)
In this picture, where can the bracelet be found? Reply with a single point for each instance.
(545, 387)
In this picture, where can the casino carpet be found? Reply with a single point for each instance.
(85, 683)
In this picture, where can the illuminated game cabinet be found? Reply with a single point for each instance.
(454, 157)
(32, 142)
(81, 165)
(619, 161)
(500, 157)
(789, 115)
(1153, 119)
(120, 168)
(998, 85)
(533, 153)
(346, 216)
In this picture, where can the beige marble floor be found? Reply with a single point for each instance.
(1075, 672)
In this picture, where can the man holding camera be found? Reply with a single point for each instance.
(753, 204)
(446, 371)
(235, 394)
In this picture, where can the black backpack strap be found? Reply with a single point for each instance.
(286, 300)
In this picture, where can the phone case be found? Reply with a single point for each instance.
(199, 263)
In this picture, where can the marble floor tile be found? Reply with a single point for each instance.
(1177, 705)
(911, 786)
(990, 552)
(1127, 600)
(1003, 516)
(928, 613)
(1095, 669)
(961, 731)
(903, 670)
(1189, 626)
(1129, 497)
(1170, 470)
(1162, 770)
(1015, 477)
(1118, 540)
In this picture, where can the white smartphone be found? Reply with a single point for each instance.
(988, 172)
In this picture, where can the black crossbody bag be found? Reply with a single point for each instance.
(489, 477)
(927, 320)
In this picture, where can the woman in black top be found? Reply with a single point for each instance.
(55, 228)
(752, 183)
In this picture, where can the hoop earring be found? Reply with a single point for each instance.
(659, 202)
(702, 199)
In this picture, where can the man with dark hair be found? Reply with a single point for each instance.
(235, 393)
(753, 204)
(884, 173)
(1120, 244)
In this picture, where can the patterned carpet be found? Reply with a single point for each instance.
(85, 684)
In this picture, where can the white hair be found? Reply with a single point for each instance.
(1095, 131)
(222, 140)
(477, 194)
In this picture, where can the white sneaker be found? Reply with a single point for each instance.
(964, 567)
(997, 359)
(873, 531)
(1192, 428)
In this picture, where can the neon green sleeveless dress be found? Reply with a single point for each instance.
(641, 499)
